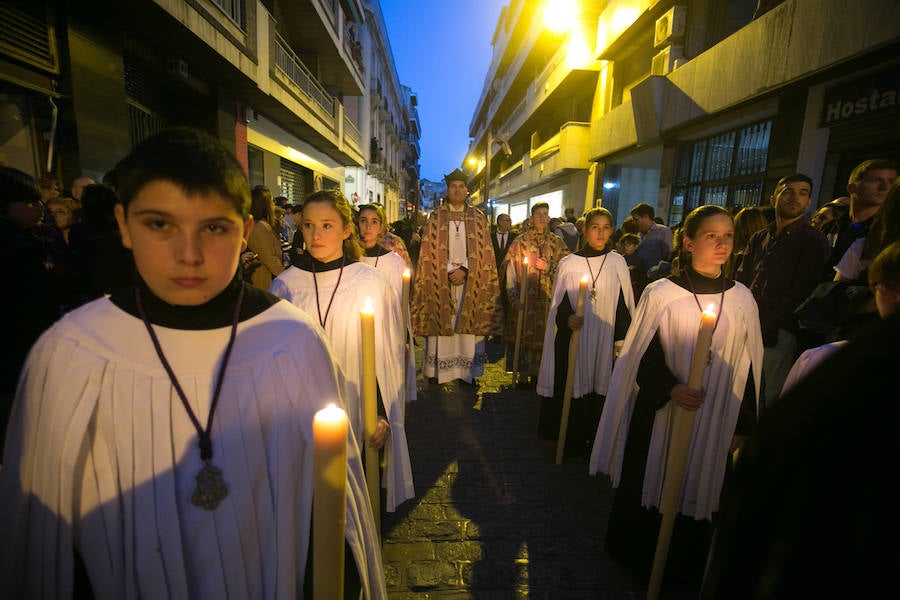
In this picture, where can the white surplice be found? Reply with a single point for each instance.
(392, 266)
(672, 311)
(357, 283)
(101, 456)
(593, 364)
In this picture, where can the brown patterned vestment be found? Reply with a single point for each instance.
(533, 245)
(432, 309)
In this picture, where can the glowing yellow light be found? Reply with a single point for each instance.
(559, 15)
(472, 161)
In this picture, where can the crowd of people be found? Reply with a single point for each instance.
(159, 393)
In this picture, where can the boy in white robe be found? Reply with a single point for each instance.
(101, 467)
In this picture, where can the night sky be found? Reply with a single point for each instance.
(442, 50)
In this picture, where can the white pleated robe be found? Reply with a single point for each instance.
(672, 311)
(593, 365)
(359, 282)
(101, 455)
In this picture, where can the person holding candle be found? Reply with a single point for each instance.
(456, 297)
(161, 444)
(608, 306)
(632, 437)
(370, 222)
(331, 284)
(543, 250)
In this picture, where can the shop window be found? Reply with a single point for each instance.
(727, 169)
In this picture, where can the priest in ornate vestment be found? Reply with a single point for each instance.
(456, 297)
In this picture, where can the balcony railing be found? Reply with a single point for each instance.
(289, 64)
(351, 131)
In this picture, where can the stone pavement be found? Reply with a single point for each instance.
(493, 516)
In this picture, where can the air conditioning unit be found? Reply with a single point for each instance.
(179, 68)
(664, 61)
(670, 26)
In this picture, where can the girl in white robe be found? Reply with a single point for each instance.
(370, 222)
(332, 286)
(100, 470)
(608, 305)
(650, 375)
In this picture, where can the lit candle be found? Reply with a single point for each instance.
(370, 399)
(676, 459)
(329, 492)
(520, 319)
(582, 291)
(404, 295)
(570, 373)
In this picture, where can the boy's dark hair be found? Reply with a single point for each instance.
(191, 159)
(643, 210)
(17, 186)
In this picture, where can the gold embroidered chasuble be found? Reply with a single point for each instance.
(433, 309)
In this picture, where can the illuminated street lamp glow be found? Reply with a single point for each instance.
(559, 15)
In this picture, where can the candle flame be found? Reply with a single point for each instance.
(331, 412)
(525, 260)
(406, 273)
(585, 278)
(368, 307)
(710, 310)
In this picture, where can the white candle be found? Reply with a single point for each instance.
(370, 399)
(582, 290)
(329, 495)
(404, 295)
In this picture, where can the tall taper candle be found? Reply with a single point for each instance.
(404, 296)
(329, 495)
(520, 320)
(676, 460)
(370, 410)
(570, 373)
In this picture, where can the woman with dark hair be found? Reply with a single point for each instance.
(264, 241)
(329, 282)
(632, 438)
(607, 314)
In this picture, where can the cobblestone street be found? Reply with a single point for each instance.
(493, 516)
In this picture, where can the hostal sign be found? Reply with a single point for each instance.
(861, 98)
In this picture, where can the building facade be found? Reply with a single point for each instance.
(531, 127)
(708, 102)
(683, 103)
(282, 83)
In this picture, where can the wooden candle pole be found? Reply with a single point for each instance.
(329, 501)
(520, 321)
(570, 374)
(370, 400)
(676, 457)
